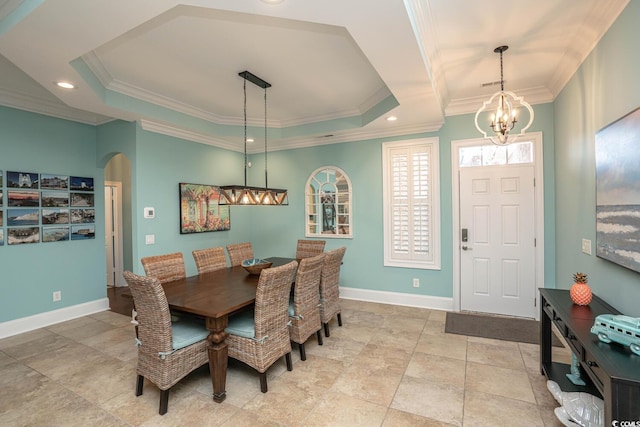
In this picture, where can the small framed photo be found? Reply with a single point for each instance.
(1, 218)
(54, 199)
(22, 180)
(81, 183)
(55, 216)
(23, 199)
(55, 234)
(81, 199)
(54, 182)
(83, 232)
(83, 216)
(23, 216)
(1, 236)
(18, 236)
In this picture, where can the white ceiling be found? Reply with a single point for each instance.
(337, 68)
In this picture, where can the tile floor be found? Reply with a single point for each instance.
(387, 366)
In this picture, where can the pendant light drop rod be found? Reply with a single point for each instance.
(246, 195)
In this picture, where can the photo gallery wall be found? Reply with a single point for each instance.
(38, 207)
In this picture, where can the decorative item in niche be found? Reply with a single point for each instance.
(617, 191)
(328, 204)
(22, 180)
(200, 211)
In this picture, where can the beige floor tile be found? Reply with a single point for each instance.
(405, 323)
(437, 369)
(49, 342)
(117, 342)
(115, 319)
(440, 402)
(80, 322)
(364, 318)
(490, 341)
(66, 361)
(88, 330)
(487, 410)
(495, 355)
(338, 409)
(397, 418)
(530, 355)
(438, 315)
(511, 383)
(366, 382)
(353, 331)
(414, 312)
(543, 396)
(315, 372)
(338, 348)
(433, 327)
(447, 345)
(26, 337)
(286, 402)
(5, 359)
(248, 418)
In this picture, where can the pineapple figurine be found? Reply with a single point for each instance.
(580, 291)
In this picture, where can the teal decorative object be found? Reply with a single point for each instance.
(618, 328)
(574, 376)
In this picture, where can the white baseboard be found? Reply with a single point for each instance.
(26, 324)
(385, 297)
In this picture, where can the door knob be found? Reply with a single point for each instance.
(466, 248)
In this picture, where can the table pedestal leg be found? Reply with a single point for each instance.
(218, 353)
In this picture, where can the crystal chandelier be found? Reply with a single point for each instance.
(504, 105)
(242, 194)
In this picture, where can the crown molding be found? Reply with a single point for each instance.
(166, 129)
(47, 107)
(538, 95)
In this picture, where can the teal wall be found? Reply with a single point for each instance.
(30, 273)
(605, 88)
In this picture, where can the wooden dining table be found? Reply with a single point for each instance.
(214, 296)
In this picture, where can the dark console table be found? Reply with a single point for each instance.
(611, 371)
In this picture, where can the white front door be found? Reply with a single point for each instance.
(497, 260)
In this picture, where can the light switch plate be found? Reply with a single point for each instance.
(586, 246)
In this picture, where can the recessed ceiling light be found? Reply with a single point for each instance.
(65, 85)
(250, 139)
(392, 118)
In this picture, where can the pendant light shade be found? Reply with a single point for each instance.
(503, 106)
(243, 195)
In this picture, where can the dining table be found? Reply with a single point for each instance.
(214, 296)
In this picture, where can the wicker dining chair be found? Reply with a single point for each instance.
(210, 259)
(238, 252)
(330, 288)
(165, 268)
(260, 337)
(304, 310)
(166, 352)
(309, 248)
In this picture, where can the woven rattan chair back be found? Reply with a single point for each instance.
(238, 252)
(330, 287)
(210, 259)
(305, 320)
(309, 248)
(165, 268)
(271, 315)
(158, 361)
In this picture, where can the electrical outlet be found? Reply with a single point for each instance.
(586, 246)
(416, 283)
(57, 296)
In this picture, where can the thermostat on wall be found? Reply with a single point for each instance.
(149, 213)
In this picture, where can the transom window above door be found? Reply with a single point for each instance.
(494, 155)
(328, 204)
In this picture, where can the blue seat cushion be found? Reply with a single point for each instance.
(291, 310)
(186, 332)
(242, 324)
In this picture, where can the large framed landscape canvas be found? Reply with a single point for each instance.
(199, 210)
(617, 191)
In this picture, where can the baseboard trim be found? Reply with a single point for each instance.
(30, 323)
(409, 300)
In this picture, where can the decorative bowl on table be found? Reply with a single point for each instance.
(255, 265)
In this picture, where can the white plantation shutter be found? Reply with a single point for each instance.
(412, 204)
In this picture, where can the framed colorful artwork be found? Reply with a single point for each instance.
(199, 209)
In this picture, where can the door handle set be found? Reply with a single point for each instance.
(466, 248)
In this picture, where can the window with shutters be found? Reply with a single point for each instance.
(411, 191)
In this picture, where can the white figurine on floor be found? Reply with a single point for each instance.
(577, 409)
